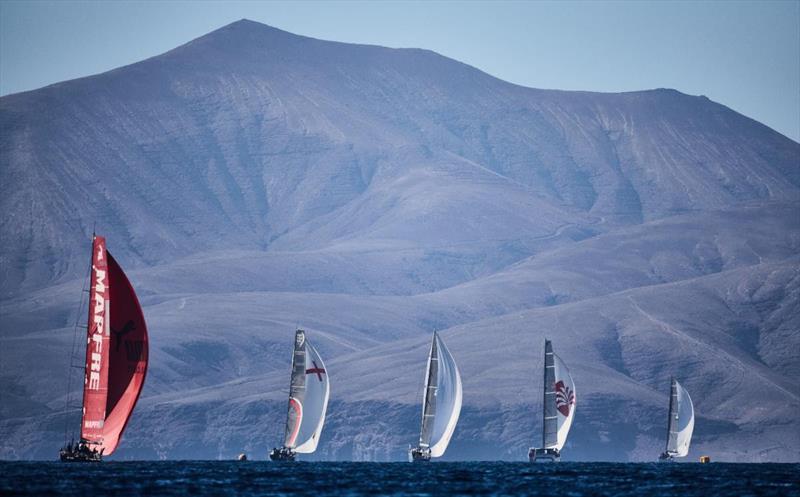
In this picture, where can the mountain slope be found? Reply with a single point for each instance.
(252, 137)
(253, 180)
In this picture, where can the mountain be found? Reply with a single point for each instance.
(252, 181)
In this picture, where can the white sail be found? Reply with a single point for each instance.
(442, 400)
(681, 422)
(315, 402)
(564, 400)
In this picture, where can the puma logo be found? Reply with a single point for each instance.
(129, 326)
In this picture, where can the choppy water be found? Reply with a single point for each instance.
(318, 479)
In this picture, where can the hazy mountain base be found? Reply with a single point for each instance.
(252, 181)
(729, 332)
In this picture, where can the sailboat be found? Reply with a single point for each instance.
(116, 359)
(309, 390)
(441, 403)
(680, 423)
(558, 407)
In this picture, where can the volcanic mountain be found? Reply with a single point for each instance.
(252, 181)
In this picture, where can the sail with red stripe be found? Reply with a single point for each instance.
(117, 352)
(309, 392)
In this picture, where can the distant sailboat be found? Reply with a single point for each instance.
(309, 391)
(680, 423)
(441, 403)
(116, 359)
(558, 407)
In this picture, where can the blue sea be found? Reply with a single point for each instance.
(321, 479)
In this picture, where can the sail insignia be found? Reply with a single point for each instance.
(564, 401)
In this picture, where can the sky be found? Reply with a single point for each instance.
(745, 55)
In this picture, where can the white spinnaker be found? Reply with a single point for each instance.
(315, 403)
(448, 400)
(684, 424)
(565, 400)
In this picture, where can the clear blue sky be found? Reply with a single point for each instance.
(745, 55)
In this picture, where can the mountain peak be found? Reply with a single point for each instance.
(242, 37)
(250, 26)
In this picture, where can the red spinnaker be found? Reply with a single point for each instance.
(124, 353)
(128, 356)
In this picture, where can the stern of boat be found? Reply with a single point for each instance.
(79, 454)
(419, 454)
(544, 455)
(282, 454)
(665, 457)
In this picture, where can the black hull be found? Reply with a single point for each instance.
(79, 456)
(544, 455)
(419, 454)
(282, 454)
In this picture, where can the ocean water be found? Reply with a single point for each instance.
(321, 479)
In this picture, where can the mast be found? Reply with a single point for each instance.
(673, 394)
(297, 386)
(71, 364)
(429, 395)
(549, 413)
(544, 393)
(669, 412)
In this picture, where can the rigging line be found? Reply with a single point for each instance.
(68, 396)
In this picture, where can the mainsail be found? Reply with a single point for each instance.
(680, 424)
(441, 404)
(308, 397)
(559, 400)
(116, 352)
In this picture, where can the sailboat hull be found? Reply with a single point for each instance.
(77, 455)
(419, 454)
(544, 455)
(282, 454)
